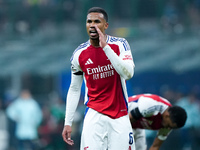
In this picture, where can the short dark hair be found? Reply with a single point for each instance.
(99, 10)
(178, 115)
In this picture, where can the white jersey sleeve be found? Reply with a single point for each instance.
(74, 91)
(73, 97)
(123, 64)
(149, 107)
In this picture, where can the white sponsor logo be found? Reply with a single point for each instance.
(101, 71)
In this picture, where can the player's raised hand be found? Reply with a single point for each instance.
(66, 134)
(102, 38)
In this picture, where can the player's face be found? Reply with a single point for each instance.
(95, 19)
(167, 122)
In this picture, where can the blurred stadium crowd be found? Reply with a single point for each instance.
(38, 37)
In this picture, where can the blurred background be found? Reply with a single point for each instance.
(38, 37)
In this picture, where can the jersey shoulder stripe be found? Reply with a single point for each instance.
(123, 41)
(157, 98)
(80, 47)
(125, 44)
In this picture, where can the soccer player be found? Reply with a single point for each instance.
(149, 111)
(105, 63)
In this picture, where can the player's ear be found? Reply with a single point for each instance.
(167, 114)
(106, 25)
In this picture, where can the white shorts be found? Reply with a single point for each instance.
(140, 139)
(100, 132)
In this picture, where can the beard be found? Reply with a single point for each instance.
(94, 38)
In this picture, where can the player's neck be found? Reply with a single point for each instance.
(94, 42)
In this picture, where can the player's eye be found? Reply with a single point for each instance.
(89, 21)
(97, 21)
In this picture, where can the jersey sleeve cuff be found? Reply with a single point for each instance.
(68, 123)
(162, 138)
(107, 47)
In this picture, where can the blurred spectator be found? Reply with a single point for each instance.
(58, 112)
(190, 132)
(58, 109)
(51, 127)
(27, 114)
(47, 128)
(3, 128)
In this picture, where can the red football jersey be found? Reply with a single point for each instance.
(105, 89)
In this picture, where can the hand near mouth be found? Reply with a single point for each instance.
(102, 38)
